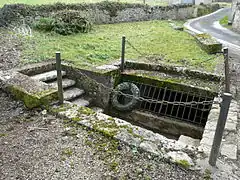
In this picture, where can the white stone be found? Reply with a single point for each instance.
(189, 141)
(231, 126)
(176, 156)
(97, 109)
(229, 150)
(107, 67)
(65, 83)
(207, 141)
(51, 75)
(150, 147)
(211, 125)
(72, 93)
(81, 102)
(232, 116)
(208, 134)
(205, 148)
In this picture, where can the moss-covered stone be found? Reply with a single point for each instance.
(208, 43)
(183, 163)
(43, 98)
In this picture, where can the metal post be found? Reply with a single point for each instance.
(227, 97)
(59, 77)
(123, 54)
(227, 75)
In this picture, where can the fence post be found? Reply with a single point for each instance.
(59, 77)
(227, 97)
(226, 65)
(123, 54)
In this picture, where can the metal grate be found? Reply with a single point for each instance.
(193, 113)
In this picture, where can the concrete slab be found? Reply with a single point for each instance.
(72, 93)
(50, 75)
(229, 150)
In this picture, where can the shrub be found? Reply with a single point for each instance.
(65, 23)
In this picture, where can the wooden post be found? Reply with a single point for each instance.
(59, 77)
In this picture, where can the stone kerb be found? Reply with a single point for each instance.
(229, 141)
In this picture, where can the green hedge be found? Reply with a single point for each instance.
(64, 23)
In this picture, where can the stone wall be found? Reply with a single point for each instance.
(98, 13)
(236, 15)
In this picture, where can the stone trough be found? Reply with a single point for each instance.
(181, 141)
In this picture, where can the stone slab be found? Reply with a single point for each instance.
(189, 141)
(229, 150)
(81, 102)
(50, 75)
(72, 93)
(65, 83)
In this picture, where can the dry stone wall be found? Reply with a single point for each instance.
(98, 13)
(236, 16)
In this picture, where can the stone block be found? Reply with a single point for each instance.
(229, 150)
(231, 126)
(232, 116)
(189, 141)
(150, 147)
(178, 156)
(207, 140)
(208, 43)
(211, 125)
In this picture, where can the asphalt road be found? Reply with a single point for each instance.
(210, 24)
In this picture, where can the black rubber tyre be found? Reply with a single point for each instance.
(126, 86)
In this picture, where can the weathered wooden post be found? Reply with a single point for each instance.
(123, 54)
(59, 77)
(226, 65)
(227, 97)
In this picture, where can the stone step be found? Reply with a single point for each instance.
(72, 93)
(65, 83)
(47, 76)
(81, 102)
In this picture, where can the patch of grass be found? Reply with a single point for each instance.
(34, 2)
(224, 22)
(103, 45)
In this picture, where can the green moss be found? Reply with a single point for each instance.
(3, 134)
(208, 43)
(108, 129)
(207, 175)
(183, 163)
(67, 151)
(172, 84)
(114, 165)
(86, 111)
(29, 100)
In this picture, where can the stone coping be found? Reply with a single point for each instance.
(177, 70)
(183, 151)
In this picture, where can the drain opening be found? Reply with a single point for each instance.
(192, 113)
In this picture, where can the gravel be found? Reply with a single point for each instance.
(10, 49)
(36, 145)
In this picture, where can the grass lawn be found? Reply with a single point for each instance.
(103, 44)
(150, 2)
